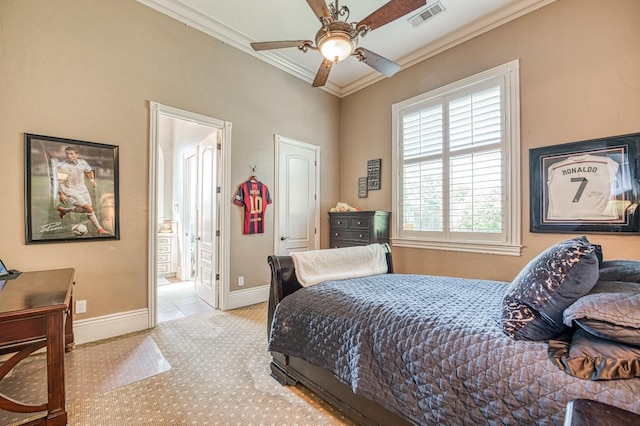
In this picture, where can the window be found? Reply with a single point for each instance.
(456, 166)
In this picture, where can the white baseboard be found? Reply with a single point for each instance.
(107, 326)
(238, 299)
(113, 325)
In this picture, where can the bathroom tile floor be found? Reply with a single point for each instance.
(179, 299)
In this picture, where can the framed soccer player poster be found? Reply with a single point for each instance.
(590, 186)
(71, 190)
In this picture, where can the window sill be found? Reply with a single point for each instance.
(470, 247)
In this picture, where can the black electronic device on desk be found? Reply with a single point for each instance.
(8, 274)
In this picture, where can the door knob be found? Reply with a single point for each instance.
(284, 238)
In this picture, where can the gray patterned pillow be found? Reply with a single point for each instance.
(610, 311)
(533, 305)
(620, 270)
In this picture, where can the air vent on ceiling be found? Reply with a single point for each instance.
(426, 14)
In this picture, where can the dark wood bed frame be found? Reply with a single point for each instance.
(289, 370)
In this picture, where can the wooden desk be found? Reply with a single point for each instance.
(33, 310)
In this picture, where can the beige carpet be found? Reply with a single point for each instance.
(218, 375)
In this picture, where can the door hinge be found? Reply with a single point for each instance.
(217, 233)
(217, 277)
(219, 146)
(218, 189)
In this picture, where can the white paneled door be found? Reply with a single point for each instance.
(297, 197)
(207, 217)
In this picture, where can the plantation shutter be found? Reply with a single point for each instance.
(423, 155)
(452, 151)
(475, 172)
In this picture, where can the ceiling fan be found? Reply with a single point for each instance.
(337, 39)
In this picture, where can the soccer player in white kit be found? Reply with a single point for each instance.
(72, 189)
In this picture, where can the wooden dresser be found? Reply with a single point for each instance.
(348, 229)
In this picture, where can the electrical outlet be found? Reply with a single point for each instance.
(240, 280)
(81, 306)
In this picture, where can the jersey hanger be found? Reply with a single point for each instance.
(253, 177)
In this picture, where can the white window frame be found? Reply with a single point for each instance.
(510, 243)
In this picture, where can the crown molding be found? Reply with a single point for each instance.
(474, 29)
(216, 29)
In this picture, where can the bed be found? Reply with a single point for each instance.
(396, 349)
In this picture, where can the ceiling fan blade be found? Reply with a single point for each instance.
(323, 73)
(377, 62)
(390, 12)
(269, 45)
(320, 8)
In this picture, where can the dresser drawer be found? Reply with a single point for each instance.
(351, 235)
(359, 222)
(339, 222)
(164, 257)
(345, 243)
(163, 268)
(163, 249)
(163, 241)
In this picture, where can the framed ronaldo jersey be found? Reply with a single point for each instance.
(589, 186)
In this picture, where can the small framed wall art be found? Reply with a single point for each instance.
(362, 187)
(374, 168)
(589, 186)
(71, 190)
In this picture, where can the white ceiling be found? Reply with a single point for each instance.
(240, 22)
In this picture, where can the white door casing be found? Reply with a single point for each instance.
(157, 110)
(298, 203)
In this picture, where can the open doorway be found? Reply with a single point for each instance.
(188, 169)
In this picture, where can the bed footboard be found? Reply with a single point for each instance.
(283, 283)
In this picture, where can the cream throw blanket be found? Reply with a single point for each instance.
(313, 267)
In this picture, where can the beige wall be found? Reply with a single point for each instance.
(579, 79)
(86, 69)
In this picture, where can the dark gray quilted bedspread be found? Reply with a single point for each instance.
(430, 348)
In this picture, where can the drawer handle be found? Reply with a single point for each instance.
(337, 234)
(359, 223)
(339, 222)
(361, 235)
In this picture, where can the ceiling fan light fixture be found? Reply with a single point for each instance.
(336, 41)
(336, 48)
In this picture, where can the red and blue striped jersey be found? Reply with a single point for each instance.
(255, 197)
